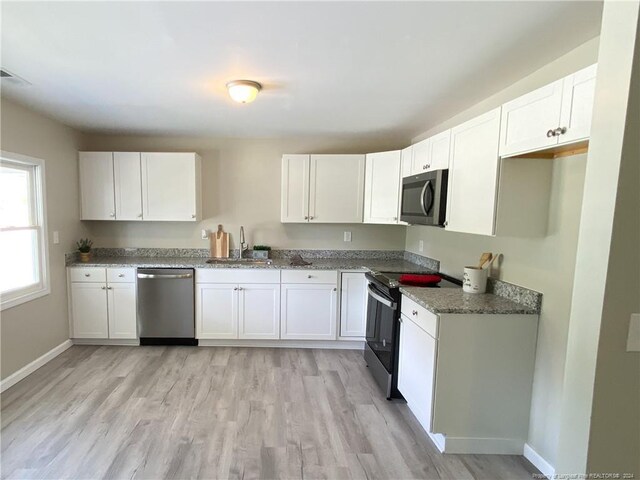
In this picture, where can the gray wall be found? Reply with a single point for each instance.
(33, 328)
(543, 264)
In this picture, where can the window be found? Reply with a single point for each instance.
(23, 234)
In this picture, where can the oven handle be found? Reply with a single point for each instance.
(381, 299)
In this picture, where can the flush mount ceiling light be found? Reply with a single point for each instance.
(243, 91)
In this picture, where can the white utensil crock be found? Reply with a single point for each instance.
(475, 280)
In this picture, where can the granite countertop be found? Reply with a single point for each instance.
(373, 264)
(436, 300)
(455, 300)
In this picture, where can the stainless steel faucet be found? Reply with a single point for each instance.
(243, 243)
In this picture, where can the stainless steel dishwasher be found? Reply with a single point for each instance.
(166, 306)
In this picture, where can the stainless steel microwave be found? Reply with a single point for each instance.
(424, 198)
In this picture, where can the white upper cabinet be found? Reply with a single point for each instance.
(295, 189)
(473, 175)
(557, 113)
(382, 187)
(171, 186)
(406, 156)
(128, 185)
(135, 186)
(336, 188)
(420, 157)
(439, 151)
(322, 188)
(577, 105)
(97, 186)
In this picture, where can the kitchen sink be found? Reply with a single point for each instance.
(243, 261)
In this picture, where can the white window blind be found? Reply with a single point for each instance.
(23, 237)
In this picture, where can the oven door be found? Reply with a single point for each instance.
(382, 319)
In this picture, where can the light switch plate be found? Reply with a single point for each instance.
(633, 341)
(56, 238)
(204, 234)
(421, 246)
(347, 236)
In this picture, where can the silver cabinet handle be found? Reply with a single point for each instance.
(235, 288)
(306, 217)
(139, 215)
(112, 214)
(193, 215)
(335, 289)
(240, 288)
(395, 218)
(121, 275)
(109, 288)
(550, 134)
(153, 275)
(310, 218)
(309, 276)
(87, 274)
(103, 288)
(560, 131)
(414, 312)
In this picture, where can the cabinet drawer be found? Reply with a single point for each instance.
(121, 275)
(237, 275)
(88, 274)
(420, 316)
(310, 276)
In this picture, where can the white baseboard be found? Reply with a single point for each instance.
(331, 344)
(479, 446)
(28, 369)
(540, 463)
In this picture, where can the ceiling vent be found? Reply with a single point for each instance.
(11, 78)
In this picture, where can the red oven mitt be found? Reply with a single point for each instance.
(419, 280)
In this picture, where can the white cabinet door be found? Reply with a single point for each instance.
(294, 206)
(416, 370)
(381, 188)
(259, 311)
(128, 185)
(407, 157)
(121, 301)
(308, 312)
(89, 305)
(420, 157)
(216, 310)
(97, 186)
(439, 151)
(577, 105)
(526, 121)
(473, 175)
(336, 188)
(353, 305)
(170, 186)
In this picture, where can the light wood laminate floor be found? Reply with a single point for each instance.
(185, 412)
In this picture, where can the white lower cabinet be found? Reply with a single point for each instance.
(259, 311)
(467, 378)
(416, 368)
(308, 311)
(229, 310)
(89, 304)
(216, 311)
(353, 304)
(100, 308)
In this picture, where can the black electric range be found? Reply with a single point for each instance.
(383, 325)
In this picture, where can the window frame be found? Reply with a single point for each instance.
(22, 295)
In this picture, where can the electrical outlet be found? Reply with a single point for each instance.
(204, 234)
(421, 246)
(56, 238)
(347, 236)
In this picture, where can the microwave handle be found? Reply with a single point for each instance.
(425, 209)
(381, 299)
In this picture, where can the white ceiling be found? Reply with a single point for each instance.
(328, 68)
